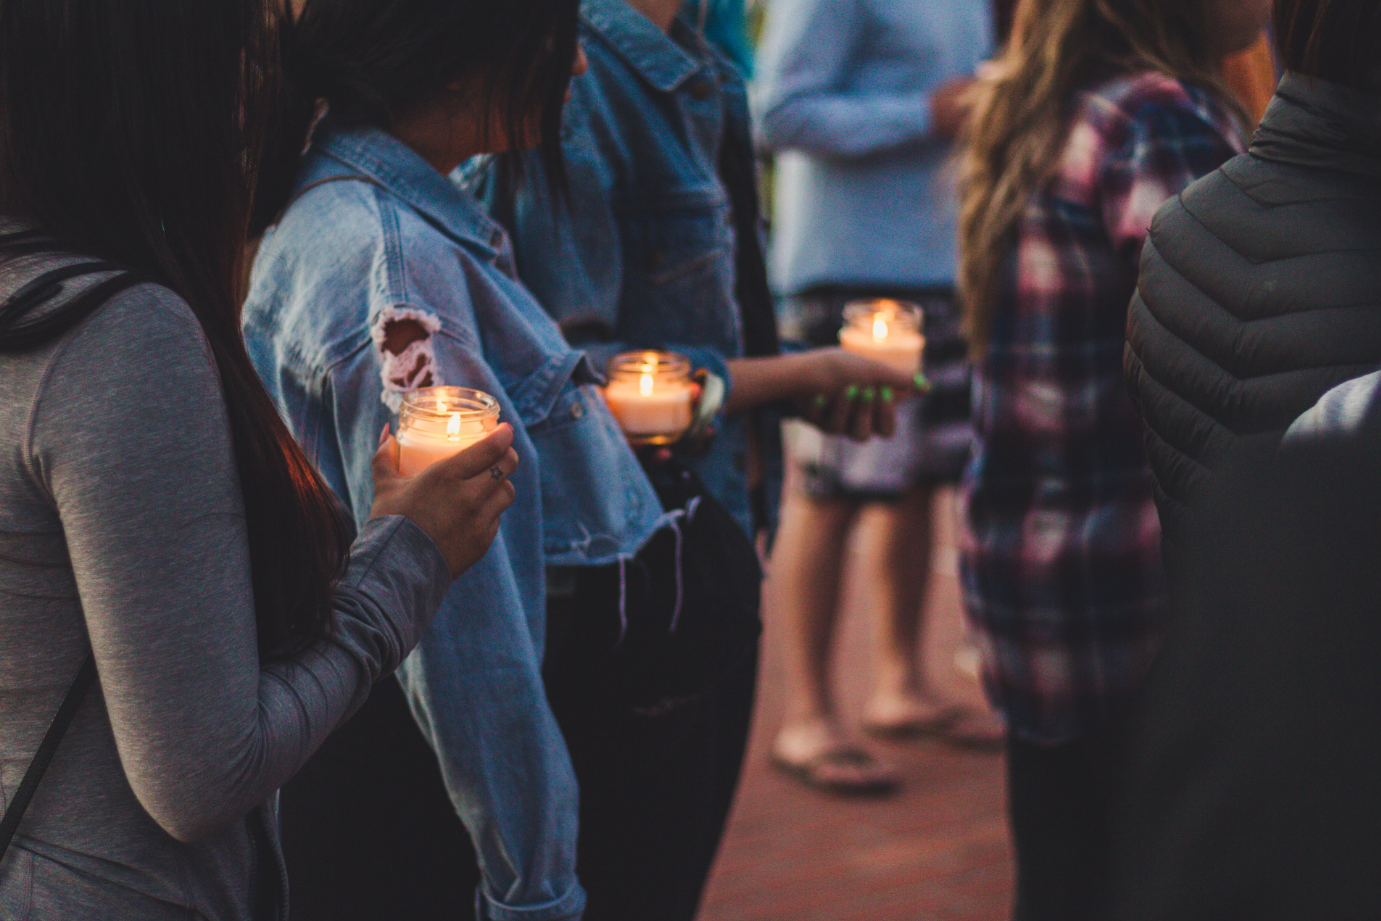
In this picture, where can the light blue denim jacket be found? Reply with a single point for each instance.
(642, 253)
(375, 234)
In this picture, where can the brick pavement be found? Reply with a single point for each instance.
(937, 852)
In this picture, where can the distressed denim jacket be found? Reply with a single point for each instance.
(376, 235)
(642, 252)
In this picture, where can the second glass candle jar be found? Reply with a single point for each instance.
(651, 395)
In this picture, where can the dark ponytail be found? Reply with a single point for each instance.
(372, 61)
(130, 131)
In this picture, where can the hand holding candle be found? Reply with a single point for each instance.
(651, 395)
(458, 501)
(439, 422)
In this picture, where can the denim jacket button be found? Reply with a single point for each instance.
(701, 90)
(577, 409)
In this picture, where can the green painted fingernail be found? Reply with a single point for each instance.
(869, 394)
(820, 400)
(851, 392)
(887, 394)
(922, 383)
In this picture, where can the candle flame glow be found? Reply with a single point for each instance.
(645, 385)
(880, 328)
(453, 427)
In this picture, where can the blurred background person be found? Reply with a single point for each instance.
(1098, 112)
(862, 100)
(1252, 763)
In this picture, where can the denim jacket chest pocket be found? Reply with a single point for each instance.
(678, 254)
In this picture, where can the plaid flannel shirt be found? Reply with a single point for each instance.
(1061, 555)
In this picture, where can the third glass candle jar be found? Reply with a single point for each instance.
(439, 422)
(884, 330)
(651, 396)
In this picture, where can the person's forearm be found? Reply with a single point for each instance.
(836, 126)
(759, 381)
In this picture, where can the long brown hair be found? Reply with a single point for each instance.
(130, 131)
(1020, 120)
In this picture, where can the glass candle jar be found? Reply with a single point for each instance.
(439, 422)
(651, 396)
(886, 331)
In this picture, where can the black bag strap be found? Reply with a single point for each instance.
(25, 792)
(19, 336)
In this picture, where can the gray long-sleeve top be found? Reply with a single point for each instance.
(122, 530)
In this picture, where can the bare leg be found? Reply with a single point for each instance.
(806, 569)
(804, 589)
(897, 570)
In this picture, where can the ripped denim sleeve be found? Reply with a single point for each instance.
(403, 338)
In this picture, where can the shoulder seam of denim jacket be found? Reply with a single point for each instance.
(393, 246)
(426, 191)
(646, 48)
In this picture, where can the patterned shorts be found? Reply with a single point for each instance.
(934, 435)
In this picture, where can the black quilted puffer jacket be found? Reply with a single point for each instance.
(1253, 763)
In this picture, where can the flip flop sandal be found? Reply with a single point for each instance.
(815, 773)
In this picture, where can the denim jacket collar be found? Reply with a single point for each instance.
(655, 55)
(393, 165)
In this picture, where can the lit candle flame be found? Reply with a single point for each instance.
(645, 385)
(453, 427)
(879, 328)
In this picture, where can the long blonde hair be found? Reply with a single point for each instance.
(1020, 121)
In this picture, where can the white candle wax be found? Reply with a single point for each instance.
(418, 450)
(899, 347)
(648, 407)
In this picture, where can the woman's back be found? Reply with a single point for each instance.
(86, 824)
(1058, 494)
(122, 532)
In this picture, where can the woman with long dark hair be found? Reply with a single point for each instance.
(1097, 112)
(162, 537)
(1253, 346)
(379, 275)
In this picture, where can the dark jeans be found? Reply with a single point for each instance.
(1059, 799)
(370, 834)
(655, 791)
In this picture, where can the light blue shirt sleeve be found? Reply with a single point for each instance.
(475, 683)
(805, 100)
